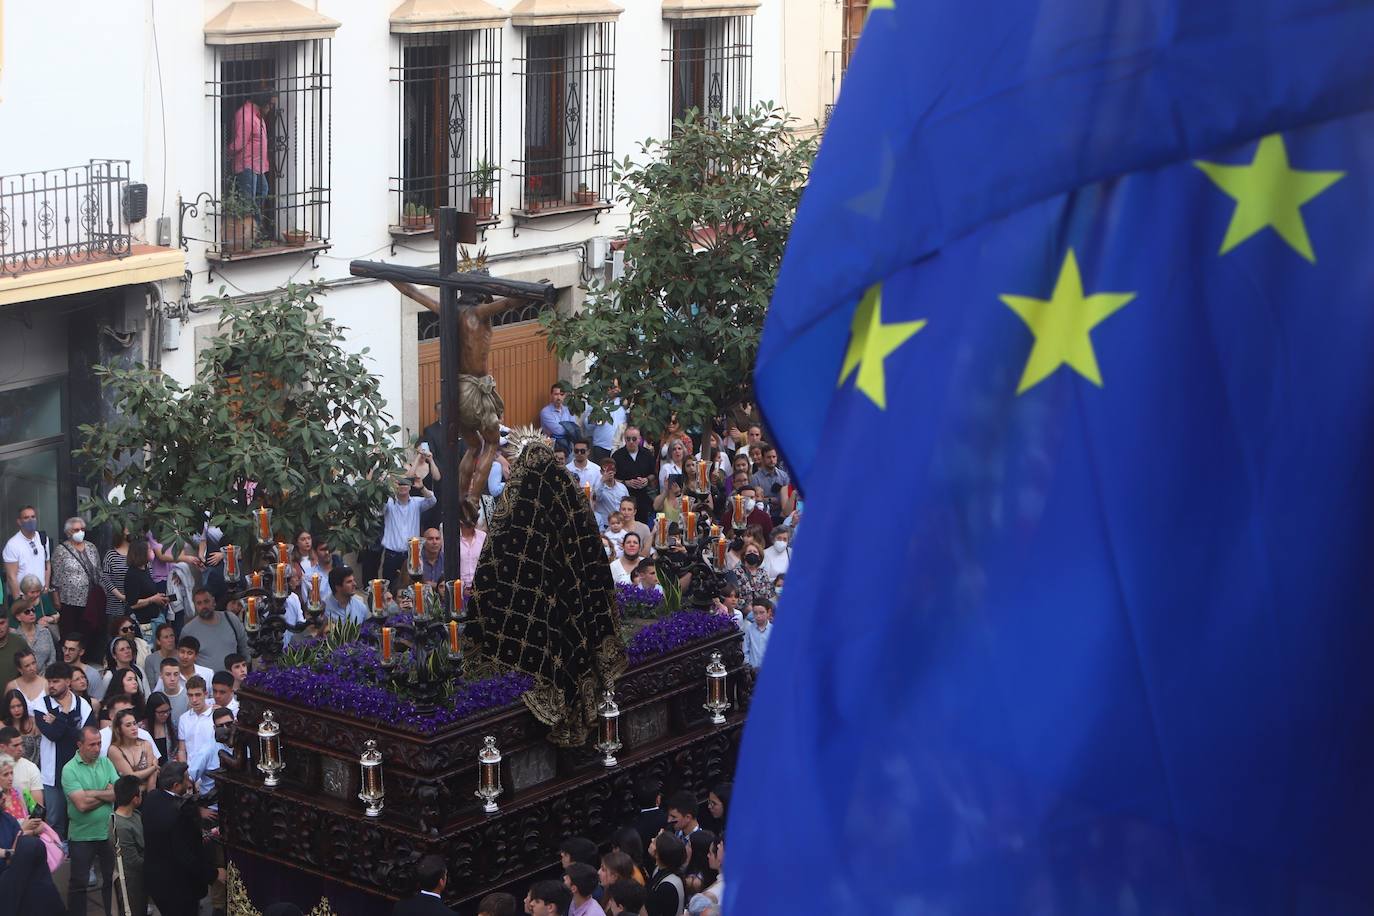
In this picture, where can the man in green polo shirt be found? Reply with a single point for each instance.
(88, 779)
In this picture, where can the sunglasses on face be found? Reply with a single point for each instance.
(126, 629)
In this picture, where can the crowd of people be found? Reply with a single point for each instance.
(121, 668)
(679, 869)
(731, 477)
(121, 675)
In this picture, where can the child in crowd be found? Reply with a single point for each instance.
(727, 605)
(615, 531)
(757, 633)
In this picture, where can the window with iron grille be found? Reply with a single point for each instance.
(449, 140)
(271, 113)
(567, 86)
(711, 65)
(855, 12)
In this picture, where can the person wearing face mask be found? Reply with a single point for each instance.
(80, 592)
(778, 556)
(751, 580)
(27, 553)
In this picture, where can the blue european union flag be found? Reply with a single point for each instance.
(1073, 354)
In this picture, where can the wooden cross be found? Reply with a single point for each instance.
(456, 290)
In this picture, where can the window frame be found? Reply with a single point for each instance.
(567, 95)
(855, 14)
(294, 215)
(468, 124)
(722, 61)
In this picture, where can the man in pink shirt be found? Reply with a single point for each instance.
(248, 148)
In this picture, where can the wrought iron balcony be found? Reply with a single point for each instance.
(62, 217)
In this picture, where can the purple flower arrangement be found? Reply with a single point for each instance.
(663, 636)
(351, 680)
(637, 601)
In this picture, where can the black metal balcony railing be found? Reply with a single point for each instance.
(61, 217)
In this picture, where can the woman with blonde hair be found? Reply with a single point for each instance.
(130, 754)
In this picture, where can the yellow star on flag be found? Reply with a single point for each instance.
(871, 342)
(1269, 193)
(1062, 326)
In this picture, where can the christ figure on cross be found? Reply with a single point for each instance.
(480, 407)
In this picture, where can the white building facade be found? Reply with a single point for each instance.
(369, 115)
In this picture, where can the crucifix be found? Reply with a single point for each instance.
(469, 406)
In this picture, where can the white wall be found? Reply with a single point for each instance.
(81, 80)
(72, 84)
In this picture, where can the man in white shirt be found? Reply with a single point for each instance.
(222, 689)
(27, 775)
(201, 764)
(27, 553)
(196, 727)
(188, 650)
(401, 522)
(60, 715)
(603, 434)
(114, 706)
(583, 470)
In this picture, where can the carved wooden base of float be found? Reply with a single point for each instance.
(309, 837)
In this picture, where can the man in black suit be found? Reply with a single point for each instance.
(179, 870)
(636, 467)
(432, 876)
(651, 818)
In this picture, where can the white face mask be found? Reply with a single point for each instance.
(78, 536)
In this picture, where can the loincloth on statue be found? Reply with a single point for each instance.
(479, 405)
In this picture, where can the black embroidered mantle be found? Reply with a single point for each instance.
(543, 601)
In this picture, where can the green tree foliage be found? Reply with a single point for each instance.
(710, 211)
(280, 403)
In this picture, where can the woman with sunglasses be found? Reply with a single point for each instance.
(122, 659)
(31, 595)
(123, 625)
(25, 610)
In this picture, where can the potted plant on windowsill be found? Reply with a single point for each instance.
(482, 181)
(238, 221)
(534, 194)
(416, 218)
(585, 197)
